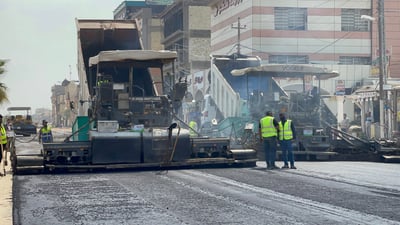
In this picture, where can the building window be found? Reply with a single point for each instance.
(290, 18)
(173, 24)
(351, 20)
(289, 59)
(354, 60)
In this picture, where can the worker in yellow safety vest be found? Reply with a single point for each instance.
(269, 131)
(101, 82)
(3, 140)
(192, 128)
(45, 134)
(287, 135)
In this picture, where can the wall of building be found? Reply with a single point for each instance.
(187, 31)
(62, 95)
(156, 34)
(199, 40)
(191, 39)
(325, 38)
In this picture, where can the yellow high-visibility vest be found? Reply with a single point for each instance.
(46, 130)
(193, 125)
(285, 131)
(3, 134)
(267, 127)
(100, 82)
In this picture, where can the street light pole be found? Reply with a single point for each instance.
(382, 69)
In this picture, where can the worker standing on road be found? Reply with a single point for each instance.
(45, 134)
(3, 140)
(269, 131)
(9, 125)
(368, 122)
(192, 128)
(345, 124)
(287, 135)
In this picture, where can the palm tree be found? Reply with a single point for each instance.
(3, 88)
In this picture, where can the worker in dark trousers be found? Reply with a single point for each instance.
(269, 131)
(45, 134)
(287, 135)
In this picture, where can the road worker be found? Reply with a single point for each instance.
(45, 134)
(192, 128)
(269, 131)
(287, 134)
(3, 140)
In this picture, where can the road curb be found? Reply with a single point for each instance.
(6, 200)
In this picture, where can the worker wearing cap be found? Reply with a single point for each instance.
(45, 134)
(269, 131)
(3, 139)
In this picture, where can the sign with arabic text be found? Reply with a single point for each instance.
(340, 87)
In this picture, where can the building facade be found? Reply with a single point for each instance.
(325, 33)
(331, 34)
(186, 27)
(310, 32)
(64, 99)
(146, 14)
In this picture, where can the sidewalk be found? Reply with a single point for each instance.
(6, 195)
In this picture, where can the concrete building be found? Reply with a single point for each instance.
(329, 34)
(146, 14)
(326, 33)
(186, 27)
(64, 99)
(187, 30)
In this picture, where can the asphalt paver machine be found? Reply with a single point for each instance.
(129, 113)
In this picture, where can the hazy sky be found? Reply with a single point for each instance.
(38, 37)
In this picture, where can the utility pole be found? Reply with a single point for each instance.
(382, 67)
(70, 73)
(238, 27)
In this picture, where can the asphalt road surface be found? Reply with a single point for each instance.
(316, 193)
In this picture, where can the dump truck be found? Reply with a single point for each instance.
(127, 110)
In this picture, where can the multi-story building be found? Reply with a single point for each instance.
(146, 14)
(64, 99)
(187, 30)
(57, 104)
(326, 33)
(330, 34)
